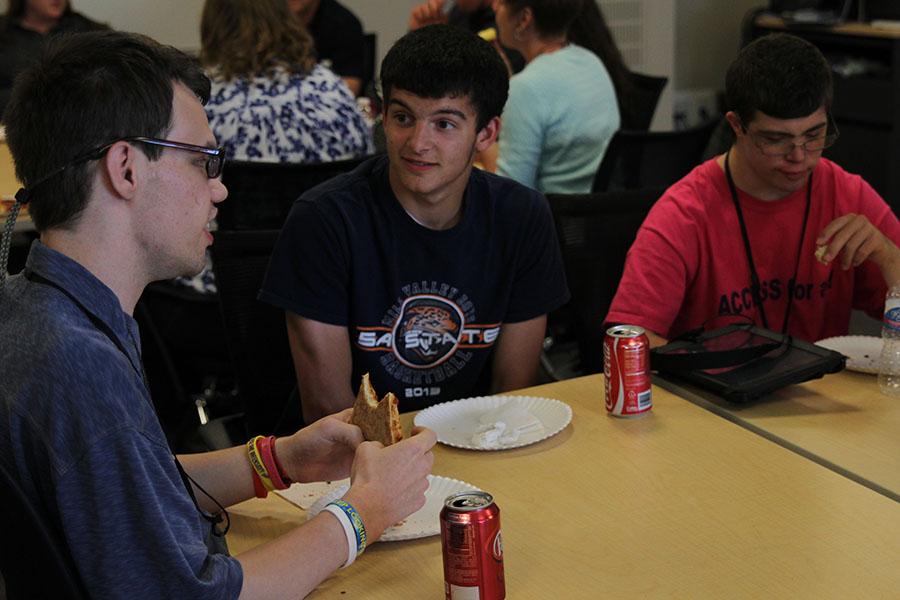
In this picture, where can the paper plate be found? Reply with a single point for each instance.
(305, 495)
(422, 523)
(456, 422)
(863, 352)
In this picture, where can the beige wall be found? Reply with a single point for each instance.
(707, 38)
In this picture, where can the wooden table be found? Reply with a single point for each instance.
(841, 421)
(9, 185)
(680, 503)
(8, 182)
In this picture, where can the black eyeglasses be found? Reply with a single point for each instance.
(215, 157)
(782, 146)
(215, 160)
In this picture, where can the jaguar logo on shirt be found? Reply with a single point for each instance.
(427, 332)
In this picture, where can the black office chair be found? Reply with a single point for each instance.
(651, 159)
(260, 194)
(34, 561)
(595, 232)
(642, 94)
(187, 365)
(255, 333)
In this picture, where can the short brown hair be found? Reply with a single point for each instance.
(252, 37)
(780, 75)
(86, 91)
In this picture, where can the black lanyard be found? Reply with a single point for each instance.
(754, 277)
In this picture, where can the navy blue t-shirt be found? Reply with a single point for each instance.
(423, 308)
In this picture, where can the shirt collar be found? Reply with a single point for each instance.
(90, 294)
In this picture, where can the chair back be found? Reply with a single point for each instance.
(642, 96)
(184, 355)
(595, 232)
(255, 332)
(651, 159)
(260, 194)
(34, 561)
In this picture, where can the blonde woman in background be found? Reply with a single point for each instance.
(270, 101)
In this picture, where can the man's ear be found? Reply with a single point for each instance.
(488, 135)
(119, 163)
(735, 121)
(526, 21)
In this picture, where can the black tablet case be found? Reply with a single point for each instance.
(763, 361)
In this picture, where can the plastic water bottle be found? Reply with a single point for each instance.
(889, 372)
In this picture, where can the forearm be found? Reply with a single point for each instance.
(889, 264)
(522, 375)
(323, 365)
(518, 355)
(292, 565)
(655, 339)
(321, 397)
(225, 474)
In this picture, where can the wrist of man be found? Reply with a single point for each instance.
(887, 254)
(372, 516)
(286, 467)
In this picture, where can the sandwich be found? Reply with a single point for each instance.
(378, 419)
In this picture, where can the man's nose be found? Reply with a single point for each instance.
(420, 137)
(220, 192)
(797, 153)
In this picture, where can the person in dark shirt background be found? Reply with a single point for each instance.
(474, 15)
(338, 35)
(23, 30)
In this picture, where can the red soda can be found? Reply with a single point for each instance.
(626, 367)
(472, 547)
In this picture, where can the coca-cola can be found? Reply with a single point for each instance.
(626, 367)
(472, 547)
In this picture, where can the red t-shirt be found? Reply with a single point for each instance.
(688, 264)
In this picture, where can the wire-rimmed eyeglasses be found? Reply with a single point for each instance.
(776, 144)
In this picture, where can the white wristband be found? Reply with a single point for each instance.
(349, 531)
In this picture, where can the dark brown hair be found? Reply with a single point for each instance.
(441, 60)
(246, 38)
(88, 90)
(590, 31)
(551, 17)
(780, 75)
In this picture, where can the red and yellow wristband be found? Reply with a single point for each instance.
(268, 475)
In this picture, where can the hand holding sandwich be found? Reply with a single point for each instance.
(388, 483)
(324, 451)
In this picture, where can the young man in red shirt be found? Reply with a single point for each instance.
(769, 230)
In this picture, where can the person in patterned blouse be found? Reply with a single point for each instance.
(270, 101)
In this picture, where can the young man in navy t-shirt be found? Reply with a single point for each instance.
(434, 277)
